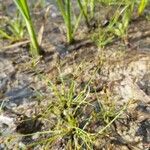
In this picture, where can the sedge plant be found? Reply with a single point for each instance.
(72, 118)
(120, 27)
(66, 115)
(118, 23)
(24, 10)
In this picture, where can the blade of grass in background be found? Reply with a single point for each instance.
(71, 20)
(24, 9)
(69, 26)
(92, 8)
(142, 6)
(87, 7)
(83, 9)
(65, 9)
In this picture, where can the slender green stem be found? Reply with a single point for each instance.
(62, 9)
(84, 13)
(35, 50)
(66, 13)
(24, 9)
(142, 6)
(69, 26)
(92, 7)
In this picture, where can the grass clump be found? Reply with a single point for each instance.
(72, 120)
(119, 21)
(117, 24)
(67, 114)
(14, 30)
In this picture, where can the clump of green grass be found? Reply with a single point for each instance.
(71, 123)
(14, 30)
(72, 119)
(119, 27)
(66, 112)
(119, 22)
(24, 10)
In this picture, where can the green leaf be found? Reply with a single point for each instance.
(142, 6)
